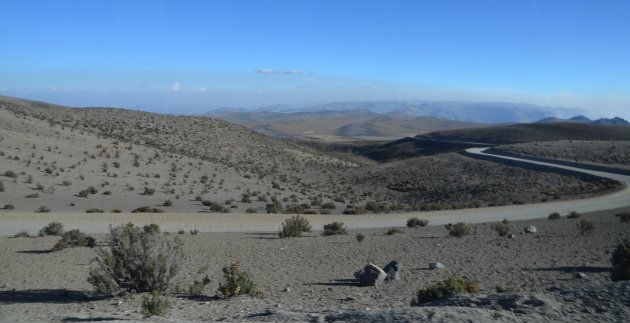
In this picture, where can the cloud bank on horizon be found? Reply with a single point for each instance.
(192, 56)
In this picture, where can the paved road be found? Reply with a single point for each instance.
(11, 223)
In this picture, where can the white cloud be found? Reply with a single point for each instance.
(266, 71)
(293, 72)
(203, 89)
(176, 86)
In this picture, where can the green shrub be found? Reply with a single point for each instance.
(360, 237)
(237, 282)
(335, 228)
(294, 227)
(459, 230)
(151, 228)
(623, 217)
(415, 222)
(554, 216)
(147, 209)
(443, 289)
(586, 226)
(503, 228)
(94, 210)
(74, 238)
(154, 304)
(621, 261)
(394, 231)
(52, 229)
(573, 215)
(136, 261)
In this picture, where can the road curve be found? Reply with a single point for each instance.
(11, 223)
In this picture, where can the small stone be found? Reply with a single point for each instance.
(393, 270)
(436, 265)
(370, 275)
(511, 236)
(288, 289)
(580, 275)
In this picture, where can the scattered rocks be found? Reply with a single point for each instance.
(436, 265)
(531, 229)
(370, 275)
(392, 270)
(580, 275)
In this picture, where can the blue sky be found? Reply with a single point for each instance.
(192, 56)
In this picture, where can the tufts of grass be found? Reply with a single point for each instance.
(237, 282)
(416, 223)
(334, 228)
(444, 289)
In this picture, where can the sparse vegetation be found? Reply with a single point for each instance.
(52, 229)
(22, 234)
(94, 210)
(623, 217)
(459, 230)
(444, 289)
(394, 231)
(74, 238)
(154, 304)
(294, 227)
(334, 228)
(147, 209)
(554, 216)
(136, 261)
(621, 261)
(151, 228)
(43, 209)
(416, 223)
(237, 282)
(360, 237)
(586, 226)
(9, 207)
(573, 215)
(503, 228)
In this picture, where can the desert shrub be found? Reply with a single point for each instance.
(251, 210)
(22, 234)
(154, 304)
(43, 209)
(94, 210)
(352, 210)
(32, 196)
(360, 237)
(623, 217)
(621, 261)
(198, 286)
(376, 207)
(310, 212)
(415, 222)
(148, 191)
(116, 211)
(167, 203)
(1, 186)
(329, 206)
(9, 207)
(573, 215)
(147, 209)
(586, 226)
(151, 228)
(334, 228)
(10, 174)
(324, 211)
(136, 261)
(459, 230)
(92, 190)
(506, 289)
(294, 227)
(74, 238)
(503, 228)
(83, 193)
(394, 231)
(443, 289)
(66, 183)
(554, 216)
(237, 282)
(274, 207)
(194, 232)
(215, 207)
(52, 229)
(294, 209)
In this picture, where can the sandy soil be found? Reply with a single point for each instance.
(310, 278)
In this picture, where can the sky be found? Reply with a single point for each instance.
(194, 56)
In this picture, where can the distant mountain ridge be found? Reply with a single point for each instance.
(616, 121)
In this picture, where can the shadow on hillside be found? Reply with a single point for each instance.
(569, 269)
(56, 296)
(337, 282)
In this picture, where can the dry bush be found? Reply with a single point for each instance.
(554, 216)
(443, 289)
(415, 222)
(237, 282)
(52, 229)
(574, 215)
(74, 238)
(394, 231)
(334, 228)
(136, 261)
(360, 237)
(585, 226)
(459, 230)
(147, 209)
(154, 304)
(294, 227)
(623, 217)
(503, 228)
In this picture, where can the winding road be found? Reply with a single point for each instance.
(11, 223)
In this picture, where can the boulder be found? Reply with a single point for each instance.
(531, 229)
(370, 275)
(436, 265)
(392, 270)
